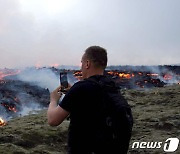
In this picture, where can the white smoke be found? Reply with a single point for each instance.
(44, 77)
(164, 71)
(26, 110)
(47, 78)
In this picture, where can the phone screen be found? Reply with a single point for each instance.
(63, 79)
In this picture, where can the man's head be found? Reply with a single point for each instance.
(94, 61)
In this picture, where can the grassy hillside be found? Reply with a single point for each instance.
(156, 118)
(31, 134)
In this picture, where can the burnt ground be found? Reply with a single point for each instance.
(18, 96)
(156, 117)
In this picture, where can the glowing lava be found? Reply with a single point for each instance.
(8, 73)
(2, 122)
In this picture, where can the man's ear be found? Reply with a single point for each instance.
(88, 64)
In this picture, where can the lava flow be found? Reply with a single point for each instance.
(139, 79)
(8, 72)
(2, 122)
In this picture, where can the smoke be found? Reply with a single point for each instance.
(25, 93)
(3, 112)
(28, 91)
(19, 98)
(166, 75)
(26, 106)
(30, 108)
(43, 77)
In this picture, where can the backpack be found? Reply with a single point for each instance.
(117, 120)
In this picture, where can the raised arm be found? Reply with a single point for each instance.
(55, 113)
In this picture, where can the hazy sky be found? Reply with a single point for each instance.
(47, 32)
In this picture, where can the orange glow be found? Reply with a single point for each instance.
(111, 73)
(123, 75)
(126, 75)
(37, 65)
(10, 107)
(54, 65)
(8, 73)
(153, 74)
(78, 75)
(2, 122)
(167, 77)
(140, 73)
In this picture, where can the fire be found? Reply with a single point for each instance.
(8, 73)
(152, 74)
(121, 74)
(111, 73)
(167, 77)
(126, 75)
(78, 75)
(54, 65)
(10, 107)
(2, 122)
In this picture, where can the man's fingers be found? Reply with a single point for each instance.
(60, 93)
(58, 89)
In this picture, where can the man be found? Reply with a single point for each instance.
(84, 102)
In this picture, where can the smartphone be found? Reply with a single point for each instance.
(63, 80)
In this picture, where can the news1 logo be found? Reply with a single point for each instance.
(170, 145)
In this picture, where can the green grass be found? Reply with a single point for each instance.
(156, 117)
(32, 134)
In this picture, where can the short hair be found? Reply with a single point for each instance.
(98, 55)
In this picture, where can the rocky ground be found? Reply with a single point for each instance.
(156, 118)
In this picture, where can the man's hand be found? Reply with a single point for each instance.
(55, 113)
(56, 94)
